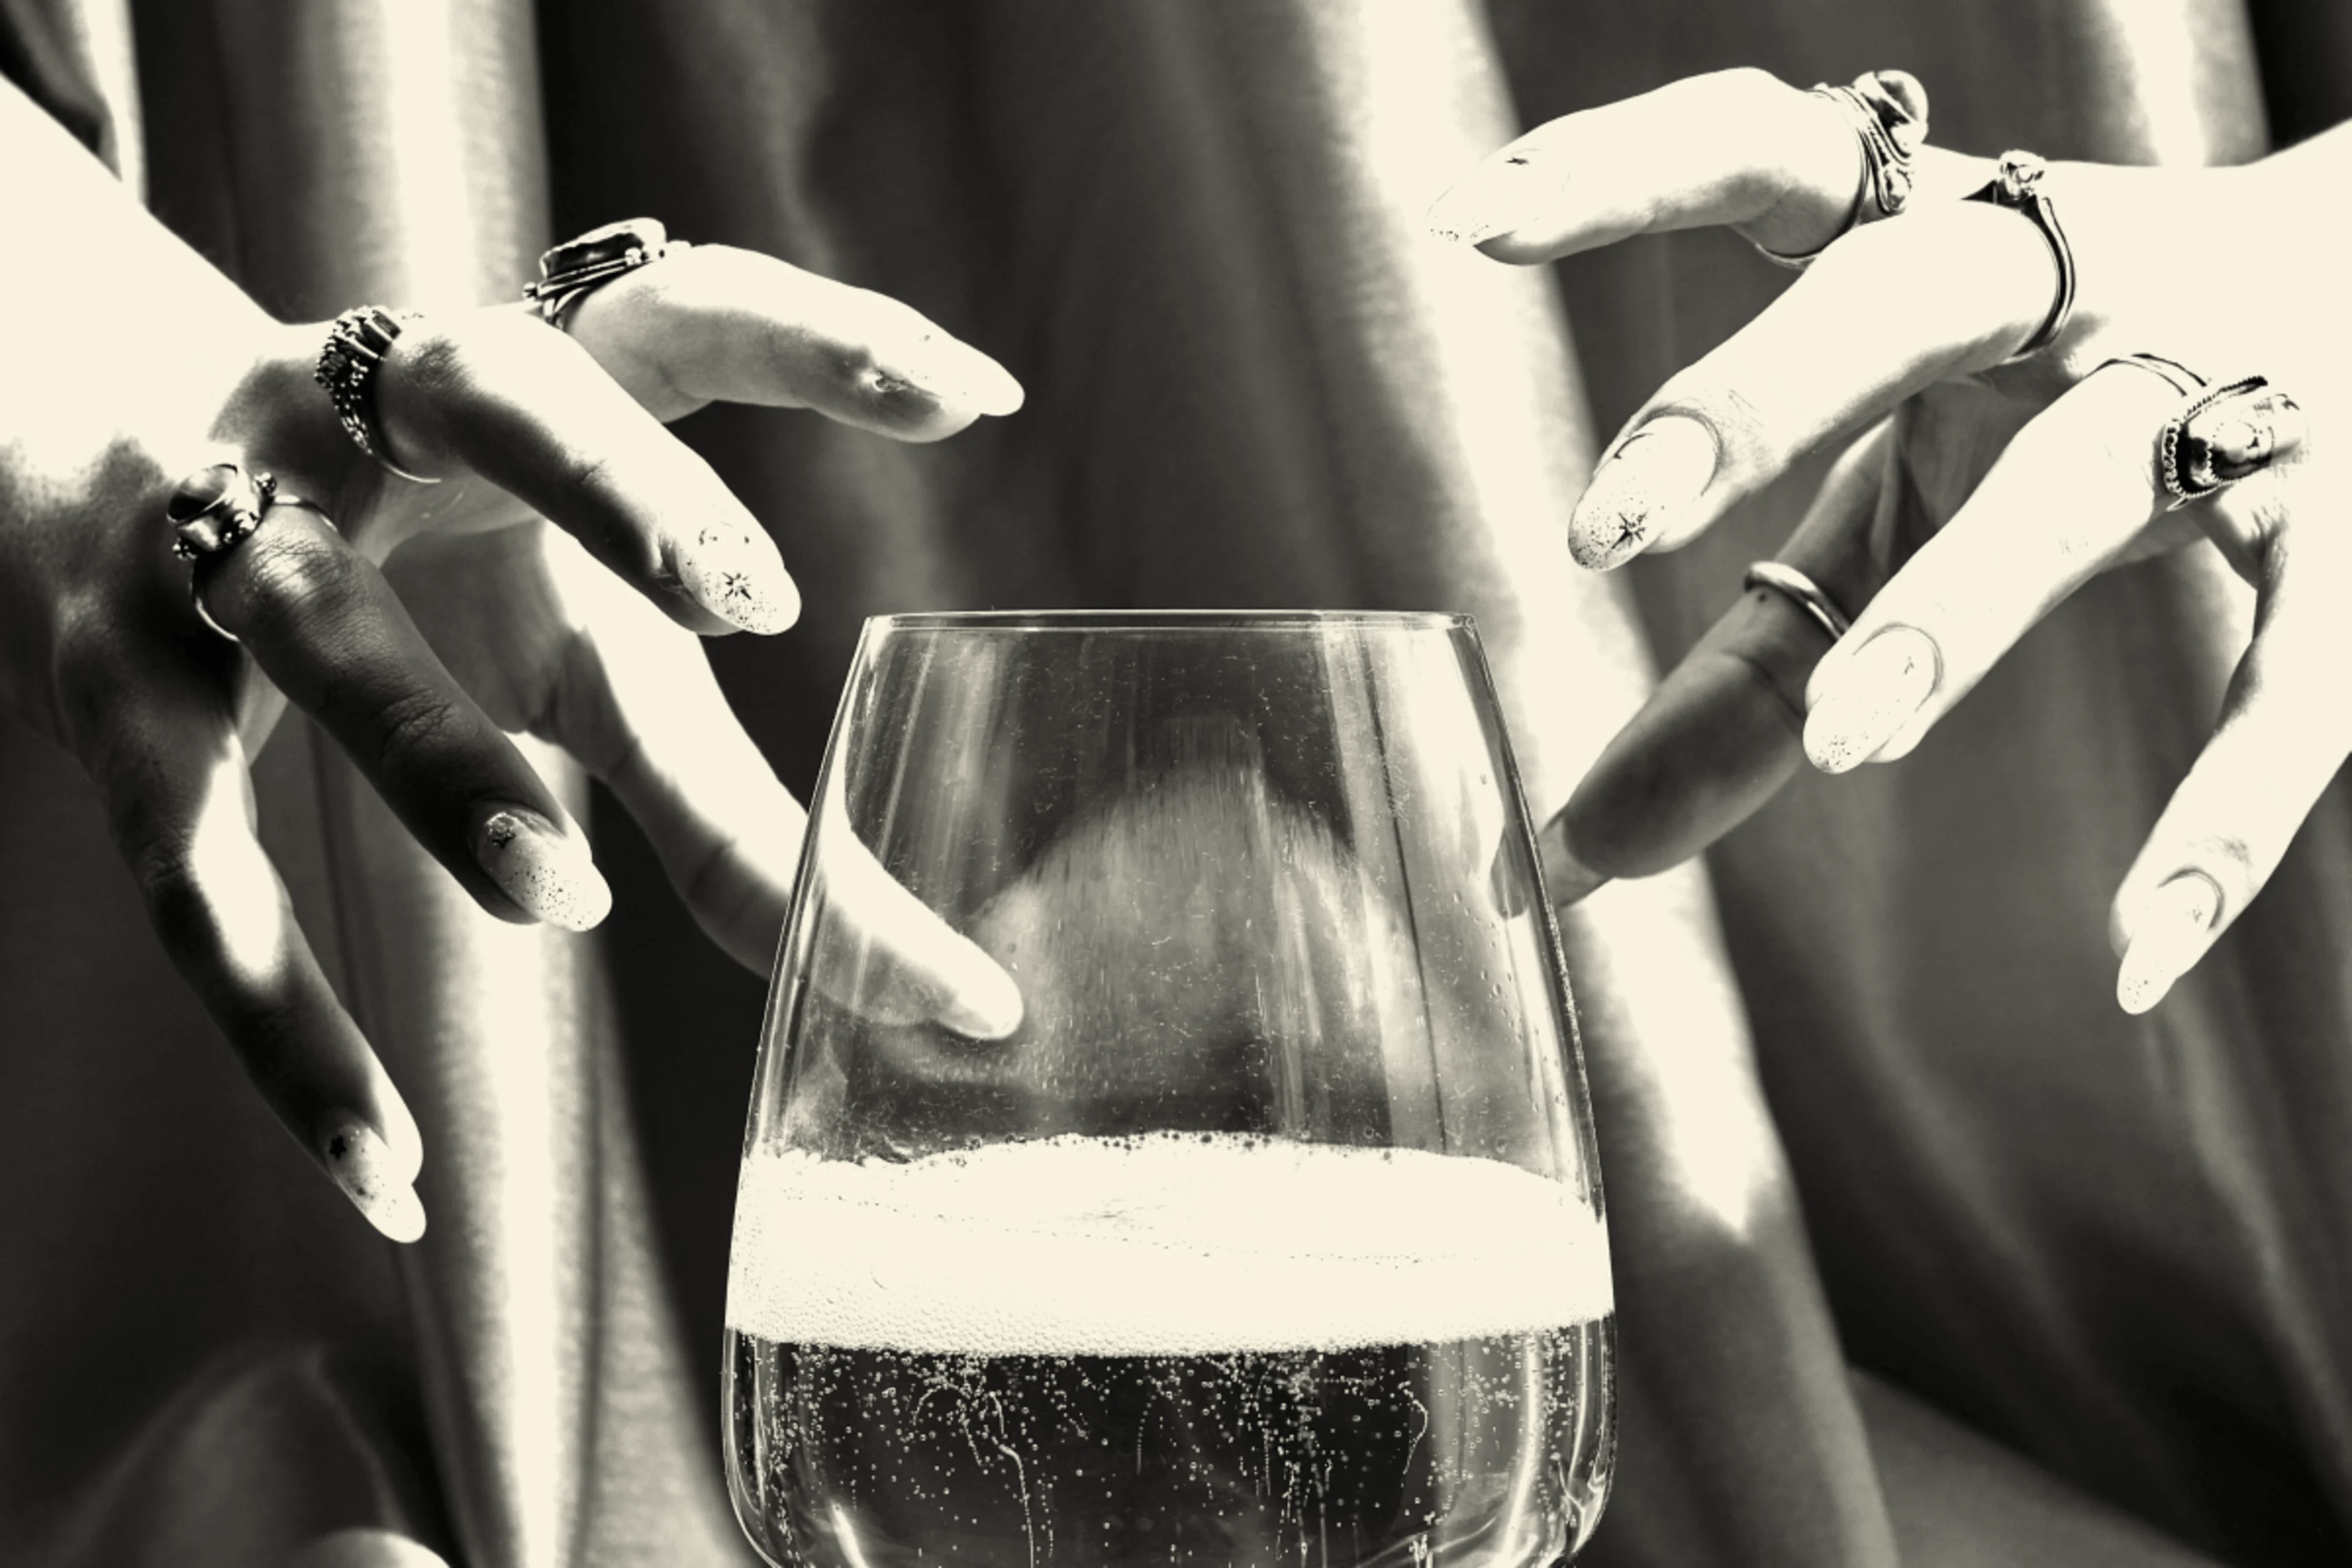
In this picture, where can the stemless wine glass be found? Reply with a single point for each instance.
(1272, 1233)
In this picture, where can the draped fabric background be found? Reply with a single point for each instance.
(2098, 1271)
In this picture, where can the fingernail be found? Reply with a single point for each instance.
(1567, 878)
(2168, 940)
(738, 579)
(987, 1006)
(549, 875)
(1869, 698)
(1656, 472)
(1505, 885)
(953, 372)
(1499, 196)
(361, 1163)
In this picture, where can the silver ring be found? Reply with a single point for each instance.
(2016, 185)
(214, 510)
(354, 351)
(1801, 591)
(2172, 372)
(1888, 111)
(2195, 463)
(569, 272)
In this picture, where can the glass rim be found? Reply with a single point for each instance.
(1166, 620)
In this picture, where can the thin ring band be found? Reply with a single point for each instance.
(2016, 185)
(1801, 591)
(2172, 372)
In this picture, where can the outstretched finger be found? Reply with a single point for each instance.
(714, 323)
(645, 713)
(1737, 148)
(502, 396)
(1844, 346)
(2283, 733)
(179, 802)
(332, 634)
(2074, 493)
(1724, 731)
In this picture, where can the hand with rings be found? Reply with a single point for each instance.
(2046, 371)
(348, 518)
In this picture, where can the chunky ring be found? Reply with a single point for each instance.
(355, 348)
(2219, 435)
(1888, 111)
(569, 271)
(213, 512)
(2018, 186)
(2222, 435)
(1801, 591)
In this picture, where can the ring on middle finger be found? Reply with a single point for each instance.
(1779, 577)
(1888, 111)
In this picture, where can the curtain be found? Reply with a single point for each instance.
(1919, 1243)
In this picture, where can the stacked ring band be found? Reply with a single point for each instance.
(2016, 185)
(569, 272)
(1888, 111)
(1800, 590)
(354, 349)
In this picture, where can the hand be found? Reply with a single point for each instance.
(1983, 491)
(102, 651)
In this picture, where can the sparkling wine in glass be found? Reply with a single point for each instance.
(1272, 1233)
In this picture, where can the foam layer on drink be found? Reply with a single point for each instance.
(1166, 1245)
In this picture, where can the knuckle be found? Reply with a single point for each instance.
(590, 475)
(1748, 91)
(298, 579)
(419, 724)
(431, 357)
(164, 868)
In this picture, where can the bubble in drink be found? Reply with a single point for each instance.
(1174, 1348)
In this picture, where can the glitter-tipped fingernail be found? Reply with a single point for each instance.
(1867, 699)
(360, 1163)
(1498, 197)
(1654, 473)
(738, 578)
(2173, 933)
(547, 874)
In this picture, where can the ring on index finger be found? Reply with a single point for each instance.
(1888, 111)
(214, 510)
